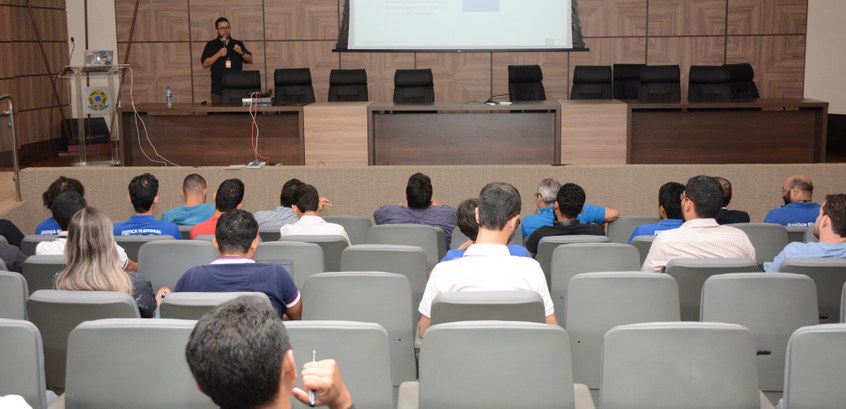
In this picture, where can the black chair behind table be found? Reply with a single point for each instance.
(708, 83)
(414, 86)
(525, 83)
(626, 80)
(741, 78)
(293, 86)
(659, 83)
(348, 85)
(591, 82)
(238, 85)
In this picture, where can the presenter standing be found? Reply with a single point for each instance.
(222, 54)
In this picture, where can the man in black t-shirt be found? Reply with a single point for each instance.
(222, 54)
(568, 204)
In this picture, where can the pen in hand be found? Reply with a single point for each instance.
(312, 394)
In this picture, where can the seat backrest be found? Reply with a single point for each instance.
(333, 247)
(355, 226)
(22, 362)
(659, 83)
(269, 233)
(621, 229)
(186, 231)
(57, 313)
(361, 351)
(591, 82)
(460, 366)
(131, 244)
(306, 258)
(409, 261)
(547, 246)
(691, 273)
(131, 363)
(643, 244)
(348, 85)
(383, 298)
(742, 81)
(679, 365)
(525, 83)
(597, 302)
(578, 258)
(814, 367)
(797, 233)
(40, 270)
(293, 86)
(708, 83)
(830, 275)
(420, 235)
(768, 239)
(164, 262)
(192, 306)
(626, 80)
(772, 306)
(238, 85)
(30, 242)
(13, 294)
(487, 305)
(415, 86)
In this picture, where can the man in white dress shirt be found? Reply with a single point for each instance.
(307, 205)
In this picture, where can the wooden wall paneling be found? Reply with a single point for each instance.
(593, 132)
(686, 51)
(245, 16)
(315, 55)
(7, 31)
(778, 61)
(52, 24)
(157, 20)
(553, 65)
(767, 16)
(612, 18)
(7, 65)
(29, 60)
(202, 77)
(301, 20)
(687, 17)
(335, 133)
(37, 3)
(156, 66)
(33, 92)
(380, 71)
(459, 76)
(609, 51)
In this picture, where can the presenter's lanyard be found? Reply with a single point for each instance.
(228, 60)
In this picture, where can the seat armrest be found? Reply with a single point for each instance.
(581, 395)
(409, 395)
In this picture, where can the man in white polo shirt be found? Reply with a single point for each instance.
(487, 265)
(307, 206)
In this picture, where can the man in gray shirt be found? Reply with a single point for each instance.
(419, 208)
(283, 214)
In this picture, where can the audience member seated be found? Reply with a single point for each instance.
(469, 226)
(669, 210)
(307, 205)
(11, 232)
(144, 195)
(236, 239)
(799, 209)
(830, 229)
(283, 214)
(487, 265)
(726, 216)
(569, 202)
(65, 206)
(241, 357)
(13, 257)
(700, 236)
(59, 186)
(545, 200)
(419, 208)
(195, 210)
(94, 265)
(229, 196)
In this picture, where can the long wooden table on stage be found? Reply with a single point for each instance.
(767, 130)
(464, 133)
(194, 134)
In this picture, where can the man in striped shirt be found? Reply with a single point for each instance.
(700, 236)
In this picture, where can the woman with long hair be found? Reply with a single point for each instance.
(94, 265)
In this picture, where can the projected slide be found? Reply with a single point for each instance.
(460, 24)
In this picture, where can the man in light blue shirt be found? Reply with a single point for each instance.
(830, 228)
(195, 210)
(799, 210)
(545, 200)
(669, 209)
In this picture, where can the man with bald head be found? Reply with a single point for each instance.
(799, 209)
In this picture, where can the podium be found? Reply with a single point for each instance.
(95, 96)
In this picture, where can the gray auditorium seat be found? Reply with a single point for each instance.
(814, 367)
(420, 235)
(486, 305)
(643, 244)
(829, 274)
(40, 270)
(355, 226)
(164, 262)
(22, 362)
(193, 305)
(409, 261)
(269, 233)
(306, 258)
(332, 247)
(769, 239)
(621, 229)
(691, 273)
(131, 244)
(13, 295)
(547, 246)
(30, 242)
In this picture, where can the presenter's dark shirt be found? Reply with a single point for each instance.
(219, 66)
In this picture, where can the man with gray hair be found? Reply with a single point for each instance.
(545, 216)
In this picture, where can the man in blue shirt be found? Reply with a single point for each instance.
(144, 194)
(419, 208)
(829, 227)
(669, 209)
(59, 186)
(799, 210)
(195, 210)
(545, 200)
(467, 224)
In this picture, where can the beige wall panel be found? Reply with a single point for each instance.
(612, 18)
(52, 24)
(686, 51)
(202, 77)
(301, 20)
(553, 65)
(316, 55)
(380, 71)
(609, 51)
(767, 16)
(687, 17)
(245, 16)
(336, 134)
(156, 66)
(593, 132)
(778, 61)
(459, 76)
(157, 20)
(31, 62)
